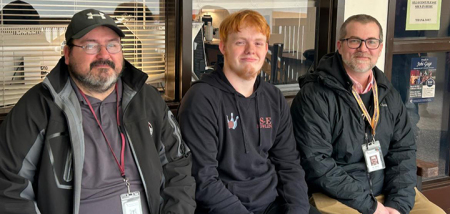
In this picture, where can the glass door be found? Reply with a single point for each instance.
(418, 63)
(422, 79)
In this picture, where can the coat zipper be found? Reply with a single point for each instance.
(139, 169)
(144, 184)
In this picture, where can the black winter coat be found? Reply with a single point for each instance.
(42, 148)
(330, 129)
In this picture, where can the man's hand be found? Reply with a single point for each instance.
(381, 209)
(392, 210)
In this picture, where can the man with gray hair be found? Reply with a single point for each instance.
(346, 114)
(93, 137)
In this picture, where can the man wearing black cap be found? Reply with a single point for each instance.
(93, 137)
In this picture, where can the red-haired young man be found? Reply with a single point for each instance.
(239, 130)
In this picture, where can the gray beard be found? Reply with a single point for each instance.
(93, 83)
(355, 68)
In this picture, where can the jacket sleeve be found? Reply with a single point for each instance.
(284, 155)
(199, 127)
(179, 189)
(313, 120)
(400, 172)
(21, 142)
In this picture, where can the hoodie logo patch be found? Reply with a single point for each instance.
(265, 122)
(232, 124)
(150, 127)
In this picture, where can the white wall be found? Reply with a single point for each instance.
(379, 10)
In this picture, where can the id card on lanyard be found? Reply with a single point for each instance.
(373, 156)
(131, 201)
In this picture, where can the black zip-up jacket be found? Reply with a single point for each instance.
(243, 149)
(42, 148)
(330, 129)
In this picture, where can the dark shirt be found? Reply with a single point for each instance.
(102, 183)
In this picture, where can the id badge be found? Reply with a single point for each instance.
(131, 203)
(373, 156)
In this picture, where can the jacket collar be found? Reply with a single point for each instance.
(331, 67)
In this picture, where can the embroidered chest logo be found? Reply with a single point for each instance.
(91, 16)
(265, 122)
(232, 123)
(150, 127)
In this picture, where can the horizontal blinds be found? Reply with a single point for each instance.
(32, 39)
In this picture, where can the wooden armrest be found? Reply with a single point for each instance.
(427, 169)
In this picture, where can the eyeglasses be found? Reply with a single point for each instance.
(94, 48)
(355, 43)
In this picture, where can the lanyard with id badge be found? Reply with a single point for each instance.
(373, 155)
(131, 201)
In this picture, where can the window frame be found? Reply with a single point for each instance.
(324, 41)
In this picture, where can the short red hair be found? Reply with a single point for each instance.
(244, 18)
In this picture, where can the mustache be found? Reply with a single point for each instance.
(359, 54)
(103, 62)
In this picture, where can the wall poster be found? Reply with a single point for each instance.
(422, 80)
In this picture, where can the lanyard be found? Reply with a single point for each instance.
(376, 112)
(121, 165)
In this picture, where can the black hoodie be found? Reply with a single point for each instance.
(244, 152)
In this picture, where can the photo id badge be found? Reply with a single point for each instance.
(373, 156)
(131, 203)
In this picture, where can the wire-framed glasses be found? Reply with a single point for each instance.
(94, 48)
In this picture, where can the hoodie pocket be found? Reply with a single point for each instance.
(258, 191)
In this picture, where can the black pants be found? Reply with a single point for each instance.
(279, 207)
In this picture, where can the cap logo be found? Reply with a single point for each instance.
(91, 16)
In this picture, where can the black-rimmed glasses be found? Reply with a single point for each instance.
(355, 43)
(94, 48)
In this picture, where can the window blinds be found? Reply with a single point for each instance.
(32, 39)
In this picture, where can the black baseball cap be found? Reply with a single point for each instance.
(86, 20)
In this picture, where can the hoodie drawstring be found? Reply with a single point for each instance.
(258, 117)
(242, 122)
